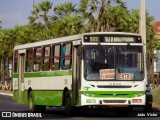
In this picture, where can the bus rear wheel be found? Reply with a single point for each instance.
(32, 107)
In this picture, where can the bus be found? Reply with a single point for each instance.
(98, 69)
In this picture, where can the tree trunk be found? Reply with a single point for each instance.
(2, 70)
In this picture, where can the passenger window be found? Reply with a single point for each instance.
(37, 59)
(29, 60)
(46, 58)
(55, 57)
(66, 60)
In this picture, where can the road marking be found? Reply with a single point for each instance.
(8, 94)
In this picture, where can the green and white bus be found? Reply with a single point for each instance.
(104, 69)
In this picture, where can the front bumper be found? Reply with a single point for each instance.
(94, 101)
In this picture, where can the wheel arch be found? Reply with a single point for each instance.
(63, 96)
(29, 90)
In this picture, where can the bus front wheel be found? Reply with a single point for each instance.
(67, 104)
(148, 106)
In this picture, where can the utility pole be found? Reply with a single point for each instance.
(32, 5)
(142, 28)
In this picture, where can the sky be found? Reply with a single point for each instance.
(15, 12)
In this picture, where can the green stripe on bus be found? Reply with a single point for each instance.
(41, 97)
(44, 74)
(113, 94)
(15, 75)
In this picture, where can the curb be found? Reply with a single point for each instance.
(8, 94)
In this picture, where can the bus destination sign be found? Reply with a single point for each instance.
(112, 39)
(118, 39)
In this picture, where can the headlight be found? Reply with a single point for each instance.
(88, 94)
(137, 95)
(92, 95)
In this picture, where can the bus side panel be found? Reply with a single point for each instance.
(15, 87)
(48, 97)
(15, 95)
(47, 87)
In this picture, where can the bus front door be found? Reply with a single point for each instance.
(21, 76)
(76, 74)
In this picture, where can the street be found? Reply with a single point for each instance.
(8, 105)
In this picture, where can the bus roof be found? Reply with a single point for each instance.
(67, 39)
(113, 33)
(48, 42)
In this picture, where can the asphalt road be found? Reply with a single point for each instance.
(8, 105)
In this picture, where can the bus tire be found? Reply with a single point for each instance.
(80, 111)
(123, 112)
(67, 104)
(42, 108)
(148, 106)
(32, 107)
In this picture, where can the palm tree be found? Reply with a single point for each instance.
(65, 21)
(40, 20)
(99, 14)
(64, 9)
(40, 12)
(69, 25)
(7, 41)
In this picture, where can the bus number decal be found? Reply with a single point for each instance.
(15, 83)
(90, 100)
(125, 76)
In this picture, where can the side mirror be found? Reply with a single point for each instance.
(147, 85)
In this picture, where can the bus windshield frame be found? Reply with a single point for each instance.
(113, 62)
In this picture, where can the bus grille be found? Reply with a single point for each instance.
(114, 101)
(114, 95)
(111, 86)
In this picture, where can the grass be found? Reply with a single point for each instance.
(156, 97)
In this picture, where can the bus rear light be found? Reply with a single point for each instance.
(136, 100)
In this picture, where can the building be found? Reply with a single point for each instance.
(156, 26)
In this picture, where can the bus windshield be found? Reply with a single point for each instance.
(113, 62)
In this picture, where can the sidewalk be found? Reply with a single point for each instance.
(8, 93)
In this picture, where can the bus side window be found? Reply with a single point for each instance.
(66, 60)
(15, 61)
(37, 59)
(63, 56)
(55, 65)
(29, 59)
(46, 59)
